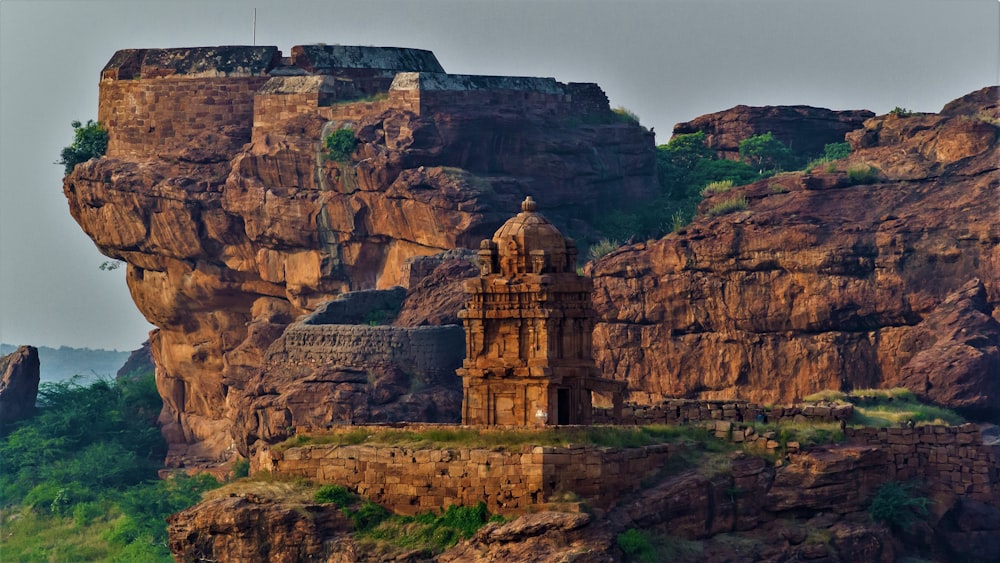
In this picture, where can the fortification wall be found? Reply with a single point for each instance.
(683, 411)
(409, 481)
(176, 114)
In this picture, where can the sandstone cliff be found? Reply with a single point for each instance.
(882, 270)
(218, 193)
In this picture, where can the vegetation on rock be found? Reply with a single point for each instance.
(340, 144)
(895, 505)
(86, 466)
(89, 141)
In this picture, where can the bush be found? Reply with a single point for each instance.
(602, 248)
(337, 495)
(901, 112)
(89, 141)
(894, 505)
(340, 144)
(729, 206)
(765, 152)
(836, 151)
(240, 469)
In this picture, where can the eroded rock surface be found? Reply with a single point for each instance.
(826, 281)
(218, 193)
(19, 377)
(804, 129)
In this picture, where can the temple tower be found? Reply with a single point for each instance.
(528, 327)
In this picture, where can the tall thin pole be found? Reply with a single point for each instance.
(255, 27)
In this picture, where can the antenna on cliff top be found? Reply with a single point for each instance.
(255, 27)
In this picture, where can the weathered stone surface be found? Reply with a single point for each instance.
(823, 283)
(805, 129)
(249, 529)
(234, 222)
(140, 362)
(19, 377)
(549, 537)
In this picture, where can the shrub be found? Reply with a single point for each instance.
(836, 151)
(717, 187)
(602, 248)
(729, 206)
(894, 505)
(89, 141)
(861, 174)
(338, 495)
(240, 469)
(340, 144)
(368, 516)
(766, 152)
(901, 112)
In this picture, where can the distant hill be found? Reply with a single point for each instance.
(60, 364)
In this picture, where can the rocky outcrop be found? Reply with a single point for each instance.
(19, 377)
(252, 528)
(138, 364)
(803, 129)
(218, 193)
(880, 273)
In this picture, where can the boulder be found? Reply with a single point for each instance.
(19, 377)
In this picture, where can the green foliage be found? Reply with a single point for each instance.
(89, 457)
(89, 141)
(836, 151)
(861, 174)
(338, 495)
(729, 206)
(340, 144)
(644, 547)
(368, 516)
(602, 248)
(901, 112)
(894, 504)
(432, 532)
(240, 469)
(766, 152)
(637, 545)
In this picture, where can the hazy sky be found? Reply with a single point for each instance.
(668, 61)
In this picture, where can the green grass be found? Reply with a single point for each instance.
(608, 436)
(717, 187)
(888, 407)
(625, 115)
(602, 248)
(729, 206)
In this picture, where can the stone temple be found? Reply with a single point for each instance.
(528, 326)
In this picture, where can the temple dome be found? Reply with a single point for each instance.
(529, 243)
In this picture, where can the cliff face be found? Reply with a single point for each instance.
(217, 192)
(851, 278)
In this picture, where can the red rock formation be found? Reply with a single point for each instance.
(19, 377)
(826, 282)
(804, 129)
(217, 192)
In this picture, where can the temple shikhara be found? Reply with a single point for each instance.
(528, 326)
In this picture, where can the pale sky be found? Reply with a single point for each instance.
(668, 61)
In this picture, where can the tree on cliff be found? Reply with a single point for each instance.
(765, 152)
(89, 141)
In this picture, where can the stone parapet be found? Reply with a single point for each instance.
(408, 480)
(682, 411)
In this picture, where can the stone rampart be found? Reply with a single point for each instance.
(948, 458)
(408, 480)
(683, 411)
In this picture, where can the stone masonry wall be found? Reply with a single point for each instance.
(682, 411)
(948, 458)
(409, 481)
(156, 115)
(432, 352)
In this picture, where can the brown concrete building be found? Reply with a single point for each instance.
(528, 326)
